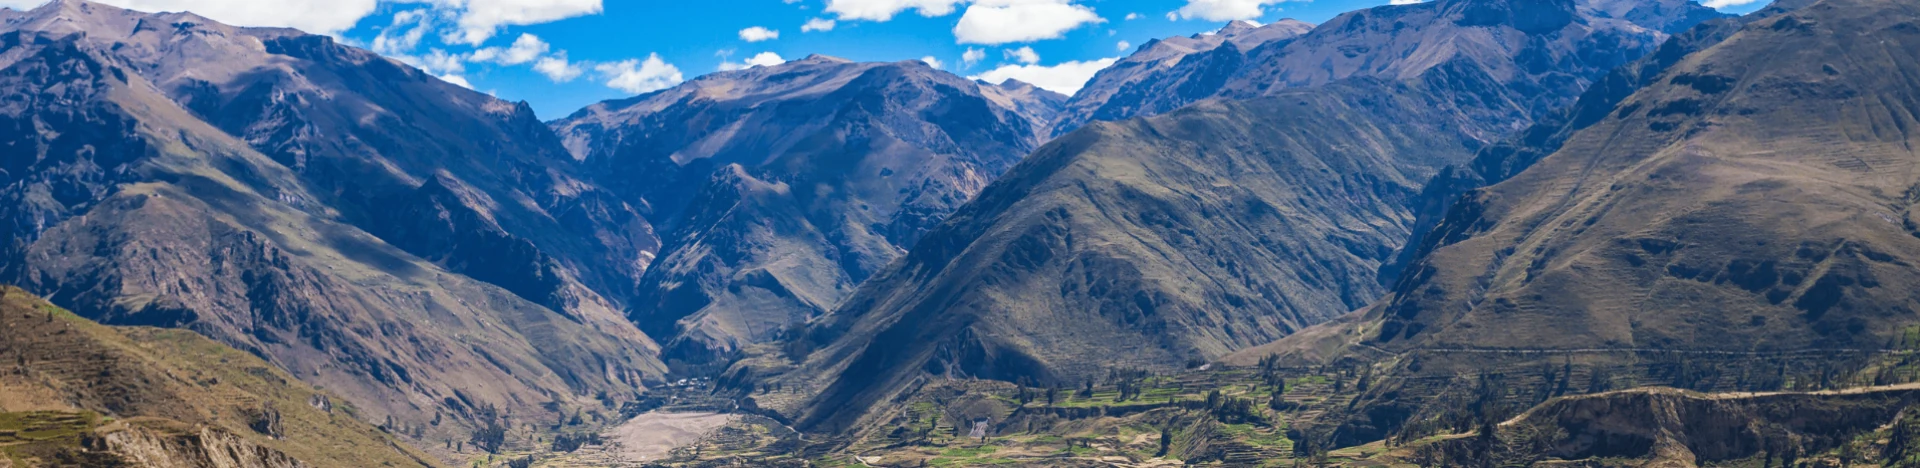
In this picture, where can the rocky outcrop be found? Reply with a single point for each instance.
(204, 448)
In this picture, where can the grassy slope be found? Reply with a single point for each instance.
(171, 380)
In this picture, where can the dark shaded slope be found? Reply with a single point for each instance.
(785, 186)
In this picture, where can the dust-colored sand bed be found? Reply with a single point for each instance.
(651, 436)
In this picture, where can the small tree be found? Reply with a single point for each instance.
(490, 437)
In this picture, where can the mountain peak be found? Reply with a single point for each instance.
(1236, 27)
(821, 58)
(1015, 85)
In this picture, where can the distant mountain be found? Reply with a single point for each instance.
(415, 246)
(99, 396)
(782, 187)
(1193, 64)
(1539, 54)
(1181, 238)
(1755, 192)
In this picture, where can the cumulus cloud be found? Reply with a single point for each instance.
(1222, 10)
(1003, 21)
(883, 10)
(763, 59)
(817, 24)
(1064, 78)
(558, 68)
(525, 49)
(972, 56)
(440, 62)
(403, 34)
(1024, 55)
(456, 79)
(1133, 16)
(757, 34)
(479, 20)
(932, 62)
(1123, 46)
(640, 76)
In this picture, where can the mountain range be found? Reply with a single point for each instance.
(1458, 232)
(1227, 224)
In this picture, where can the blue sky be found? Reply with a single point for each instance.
(561, 55)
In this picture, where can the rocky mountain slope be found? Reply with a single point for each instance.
(1537, 55)
(782, 187)
(1184, 237)
(1190, 65)
(402, 241)
(92, 395)
(1704, 205)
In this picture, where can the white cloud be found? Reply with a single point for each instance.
(1727, 3)
(817, 24)
(883, 10)
(557, 68)
(1410, 2)
(403, 34)
(440, 62)
(640, 76)
(1222, 10)
(1024, 55)
(972, 56)
(757, 34)
(1065, 78)
(479, 20)
(314, 16)
(1003, 21)
(525, 49)
(1123, 46)
(763, 59)
(932, 62)
(456, 79)
(1133, 16)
